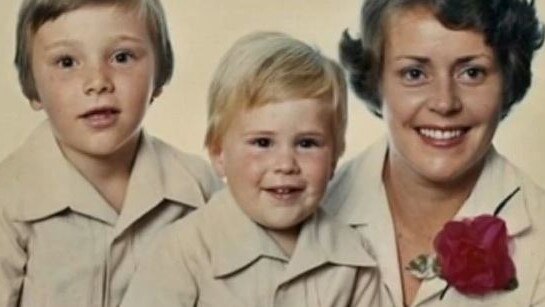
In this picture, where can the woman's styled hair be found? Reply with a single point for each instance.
(510, 28)
(269, 67)
(34, 13)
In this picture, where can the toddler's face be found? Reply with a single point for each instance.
(277, 160)
(94, 69)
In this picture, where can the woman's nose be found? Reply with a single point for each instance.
(444, 99)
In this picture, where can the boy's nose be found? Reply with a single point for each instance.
(286, 162)
(444, 99)
(98, 81)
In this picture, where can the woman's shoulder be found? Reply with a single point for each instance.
(357, 179)
(534, 195)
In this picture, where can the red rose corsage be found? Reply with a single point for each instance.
(472, 255)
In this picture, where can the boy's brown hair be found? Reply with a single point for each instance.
(34, 13)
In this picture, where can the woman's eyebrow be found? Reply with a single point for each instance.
(419, 59)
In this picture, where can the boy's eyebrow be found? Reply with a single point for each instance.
(74, 42)
(316, 133)
(61, 43)
(128, 37)
(258, 132)
(312, 133)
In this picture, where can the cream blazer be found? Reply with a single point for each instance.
(219, 257)
(357, 197)
(62, 245)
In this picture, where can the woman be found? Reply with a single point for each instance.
(442, 74)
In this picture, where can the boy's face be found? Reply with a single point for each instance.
(277, 159)
(94, 70)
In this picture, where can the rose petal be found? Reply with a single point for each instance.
(474, 255)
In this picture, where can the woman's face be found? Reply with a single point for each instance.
(442, 93)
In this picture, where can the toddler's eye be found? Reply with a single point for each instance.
(65, 62)
(308, 143)
(262, 142)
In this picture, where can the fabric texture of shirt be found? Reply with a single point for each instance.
(61, 244)
(357, 197)
(220, 257)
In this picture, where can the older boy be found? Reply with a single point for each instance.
(277, 116)
(86, 194)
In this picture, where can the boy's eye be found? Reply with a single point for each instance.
(308, 143)
(123, 57)
(65, 62)
(261, 142)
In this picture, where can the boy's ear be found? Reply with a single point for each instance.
(36, 105)
(333, 168)
(216, 157)
(156, 93)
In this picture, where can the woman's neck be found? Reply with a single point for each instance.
(419, 209)
(415, 198)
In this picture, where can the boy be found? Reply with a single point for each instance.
(86, 194)
(277, 117)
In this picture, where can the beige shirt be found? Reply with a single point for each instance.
(357, 197)
(61, 244)
(219, 257)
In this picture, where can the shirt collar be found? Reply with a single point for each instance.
(364, 197)
(321, 241)
(366, 191)
(498, 180)
(56, 185)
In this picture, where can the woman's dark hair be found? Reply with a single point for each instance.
(510, 28)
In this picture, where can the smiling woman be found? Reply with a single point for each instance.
(442, 75)
(441, 106)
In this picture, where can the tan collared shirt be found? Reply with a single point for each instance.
(61, 244)
(219, 257)
(357, 197)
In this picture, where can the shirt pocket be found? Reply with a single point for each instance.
(66, 258)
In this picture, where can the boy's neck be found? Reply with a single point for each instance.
(109, 174)
(286, 238)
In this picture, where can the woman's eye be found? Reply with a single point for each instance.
(473, 75)
(262, 142)
(65, 62)
(413, 74)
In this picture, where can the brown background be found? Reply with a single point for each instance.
(202, 30)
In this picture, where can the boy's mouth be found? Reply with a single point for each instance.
(284, 192)
(101, 117)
